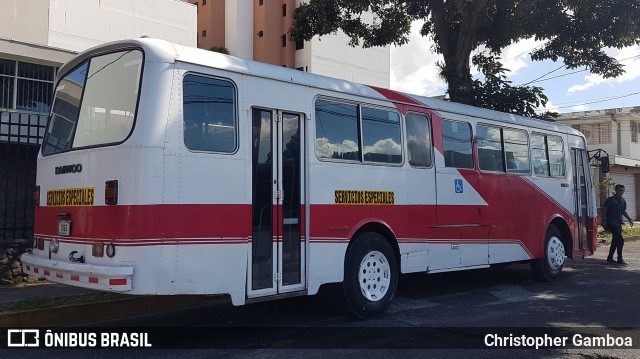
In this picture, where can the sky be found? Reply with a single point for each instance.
(414, 70)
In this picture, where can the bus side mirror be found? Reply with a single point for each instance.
(604, 164)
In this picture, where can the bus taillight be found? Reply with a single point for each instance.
(111, 192)
(36, 196)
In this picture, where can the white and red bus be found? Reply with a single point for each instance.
(172, 170)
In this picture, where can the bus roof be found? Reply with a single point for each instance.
(157, 50)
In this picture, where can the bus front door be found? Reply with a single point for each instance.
(581, 197)
(278, 245)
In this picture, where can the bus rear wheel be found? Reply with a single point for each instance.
(549, 267)
(371, 276)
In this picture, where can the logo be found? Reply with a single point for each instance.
(23, 338)
(77, 168)
(458, 184)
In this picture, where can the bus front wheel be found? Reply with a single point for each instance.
(549, 267)
(371, 275)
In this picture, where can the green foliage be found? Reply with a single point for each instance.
(220, 49)
(627, 231)
(575, 31)
(607, 185)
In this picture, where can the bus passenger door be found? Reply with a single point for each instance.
(277, 251)
(579, 165)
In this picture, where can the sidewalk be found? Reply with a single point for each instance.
(46, 303)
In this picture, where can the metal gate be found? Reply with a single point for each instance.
(20, 137)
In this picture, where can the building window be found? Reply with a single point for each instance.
(596, 133)
(26, 86)
(299, 44)
(204, 33)
(204, 2)
(634, 131)
(284, 40)
(260, 33)
(284, 10)
(261, 2)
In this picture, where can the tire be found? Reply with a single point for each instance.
(549, 267)
(370, 276)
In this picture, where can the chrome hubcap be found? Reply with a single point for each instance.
(374, 276)
(555, 253)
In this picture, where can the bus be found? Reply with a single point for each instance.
(171, 170)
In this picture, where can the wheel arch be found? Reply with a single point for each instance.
(381, 228)
(567, 238)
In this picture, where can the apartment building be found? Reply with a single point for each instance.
(616, 131)
(258, 30)
(36, 38)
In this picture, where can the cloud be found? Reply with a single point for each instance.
(385, 146)
(414, 69)
(516, 57)
(413, 66)
(324, 147)
(628, 56)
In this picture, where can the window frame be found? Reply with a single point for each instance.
(429, 131)
(546, 143)
(236, 122)
(471, 126)
(15, 79)
(360, 143)
(87, 60)
(503, 142)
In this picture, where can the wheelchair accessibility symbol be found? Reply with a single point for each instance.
(459, 188)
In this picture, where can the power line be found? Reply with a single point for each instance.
(592, 102)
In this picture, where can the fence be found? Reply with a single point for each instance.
(20, 137)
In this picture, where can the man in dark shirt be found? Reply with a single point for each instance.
(613, 209)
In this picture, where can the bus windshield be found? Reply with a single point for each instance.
(95, 103)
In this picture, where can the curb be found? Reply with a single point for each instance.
(74, 314)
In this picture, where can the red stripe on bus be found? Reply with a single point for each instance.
(118, 281)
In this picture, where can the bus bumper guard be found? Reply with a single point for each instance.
(91, 276)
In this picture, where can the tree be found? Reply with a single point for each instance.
(220, 49)
(576, 31)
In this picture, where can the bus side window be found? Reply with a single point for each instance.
(556, 156)
(337, 130)
(457, 144)
(539, 155)
(490, 148)
(209, 116)
(516, 146)
(418, 140)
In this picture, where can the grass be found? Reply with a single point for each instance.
(627, 231)
(43, 303)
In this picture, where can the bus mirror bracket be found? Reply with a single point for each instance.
(602, 157)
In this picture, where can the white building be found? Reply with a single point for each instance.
(36, 36)
(258, 30)
(617, 132)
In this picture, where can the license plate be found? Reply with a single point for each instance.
(64, 228)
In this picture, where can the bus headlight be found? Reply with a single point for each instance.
(54, 245)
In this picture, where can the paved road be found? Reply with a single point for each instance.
(441, 311)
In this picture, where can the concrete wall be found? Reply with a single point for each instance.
(79, 24)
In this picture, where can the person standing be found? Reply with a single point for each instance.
(613, 209)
